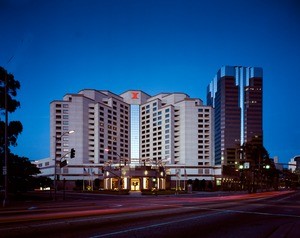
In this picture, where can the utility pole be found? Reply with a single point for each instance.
(5, 200)
(5, 166)
(58, 138)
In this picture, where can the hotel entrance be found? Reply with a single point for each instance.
(135, 184)
(136, 178)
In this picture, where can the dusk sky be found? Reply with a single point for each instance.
(56, 47)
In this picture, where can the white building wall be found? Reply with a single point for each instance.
(188, 133)
(171, 130)
(78, 121)
(186, 142)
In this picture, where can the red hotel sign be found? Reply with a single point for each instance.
(134, 95)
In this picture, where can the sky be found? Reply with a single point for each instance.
(55, 47)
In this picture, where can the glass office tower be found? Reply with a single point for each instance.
(236, 96)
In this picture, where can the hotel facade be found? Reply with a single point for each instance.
(137, 141)
(131, 141)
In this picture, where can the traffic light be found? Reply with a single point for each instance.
(72, 153)
(63, 163)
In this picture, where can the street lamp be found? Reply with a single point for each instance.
(57, 138)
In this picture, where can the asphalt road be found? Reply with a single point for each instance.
(268, 214)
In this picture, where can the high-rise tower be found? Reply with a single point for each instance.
(236, 96)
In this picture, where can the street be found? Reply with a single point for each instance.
(266, 214)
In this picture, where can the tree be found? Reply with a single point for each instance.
(262, 172)
(255, 153)
(97, 183)
(202, 185)
(297, 173)
(14, 128)
(20, 171)
(79, 184)
(21, 174)
(196, 184)
(43, 182)
(12, 87)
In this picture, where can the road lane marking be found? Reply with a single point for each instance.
(157, 225)
(262, 213)
(219, 211)
(116, 205)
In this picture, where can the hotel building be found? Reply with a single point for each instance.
(236, 96)
(132, 137)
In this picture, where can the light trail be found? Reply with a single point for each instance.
(34, 215)
(167, 212)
